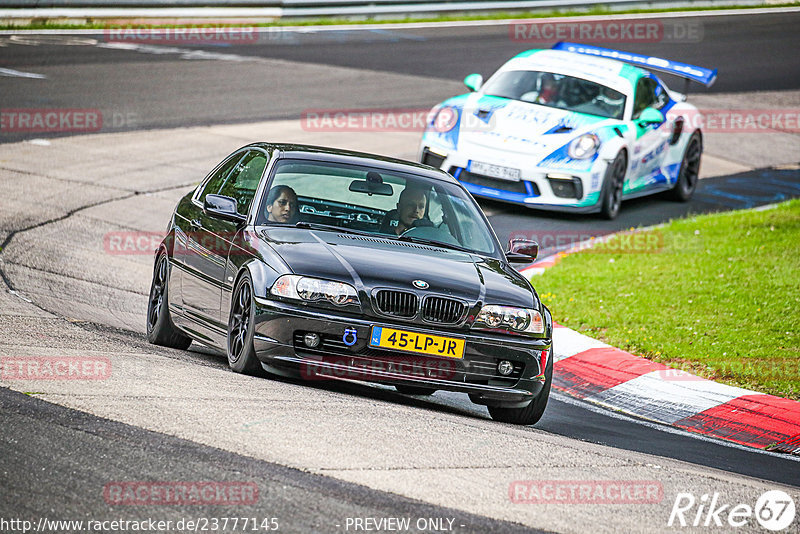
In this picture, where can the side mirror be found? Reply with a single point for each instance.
(473, 82)
(223, 207)
(651, 116)
(522, 251)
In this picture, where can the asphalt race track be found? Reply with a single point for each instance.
(319, 453)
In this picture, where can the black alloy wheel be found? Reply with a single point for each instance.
(690, 170)
(613, 183)
(160, 329)
(241, 328)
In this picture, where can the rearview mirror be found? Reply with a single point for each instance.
(473, 82)
(371, 188)
(522, 251)
(651, 116)
(223, 207)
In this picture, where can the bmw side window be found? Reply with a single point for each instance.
(241, 183)
(218, 178)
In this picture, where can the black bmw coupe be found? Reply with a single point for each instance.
(327, 264)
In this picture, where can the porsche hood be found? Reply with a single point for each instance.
(487, 122)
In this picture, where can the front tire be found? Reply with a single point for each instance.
(530, 414)
(160, 329)
(613, 182)
(241, 328)
(689, 172)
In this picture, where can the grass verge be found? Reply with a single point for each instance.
(716, 295)
(101, 25)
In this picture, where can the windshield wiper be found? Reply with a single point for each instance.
(433, 242)
(329, 227)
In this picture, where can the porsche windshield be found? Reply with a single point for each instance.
(391, 204)
(557, 91)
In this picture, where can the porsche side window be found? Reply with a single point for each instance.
(662, 97)
(218, 178)
(649, 93)
(242, 182)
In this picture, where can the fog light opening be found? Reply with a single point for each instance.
(505, 367)
(311, 340)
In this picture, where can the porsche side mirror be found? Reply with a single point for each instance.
(223, 207)
(473, 82)
(522, 251)
(651, 116)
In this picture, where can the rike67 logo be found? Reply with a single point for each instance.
(774, 510)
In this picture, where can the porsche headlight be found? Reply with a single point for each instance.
(292, 286)
(522, 320)
(444, 118)
(584, 146)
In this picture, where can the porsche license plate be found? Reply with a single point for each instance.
(495, 171)
(389, 338)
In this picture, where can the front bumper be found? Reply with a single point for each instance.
(576, 190)
(278, 340)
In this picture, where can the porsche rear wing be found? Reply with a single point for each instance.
(689, 72)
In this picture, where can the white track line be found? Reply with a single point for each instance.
(20, 74)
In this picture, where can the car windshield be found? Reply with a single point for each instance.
(557, 91)
(375, 201)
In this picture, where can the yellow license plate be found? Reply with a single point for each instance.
(389, 338)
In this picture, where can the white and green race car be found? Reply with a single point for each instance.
(572, 128)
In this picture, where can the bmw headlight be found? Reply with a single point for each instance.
(584, 146)
(522, 320)
(292, 286)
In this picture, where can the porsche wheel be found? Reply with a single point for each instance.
(241, 327)
(530, 414)
(689, 172)
(160, 330)
(611, 194)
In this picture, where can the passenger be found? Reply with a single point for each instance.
(281, 204)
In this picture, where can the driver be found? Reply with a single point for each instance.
(610, 101)
(411, 207)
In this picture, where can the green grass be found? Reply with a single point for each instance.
(718, 296)
(43, 24)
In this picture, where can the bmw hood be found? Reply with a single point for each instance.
(369, 262)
